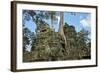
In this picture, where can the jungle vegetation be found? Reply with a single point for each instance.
(50, 45)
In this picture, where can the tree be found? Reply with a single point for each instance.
(37, 16)
(46, 45)
(52, 16)
(83, 43)
(27, 37)
(70, 34)
(61, 30)
(78, 43)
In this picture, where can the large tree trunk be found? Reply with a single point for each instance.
(61, 30)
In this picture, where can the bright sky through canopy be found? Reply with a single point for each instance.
(79, 20)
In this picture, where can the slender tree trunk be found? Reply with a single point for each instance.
(61, 30)
(52, 22)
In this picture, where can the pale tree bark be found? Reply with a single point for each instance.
(61, 30)
(52, 22)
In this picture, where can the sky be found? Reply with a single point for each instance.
(78, 19)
